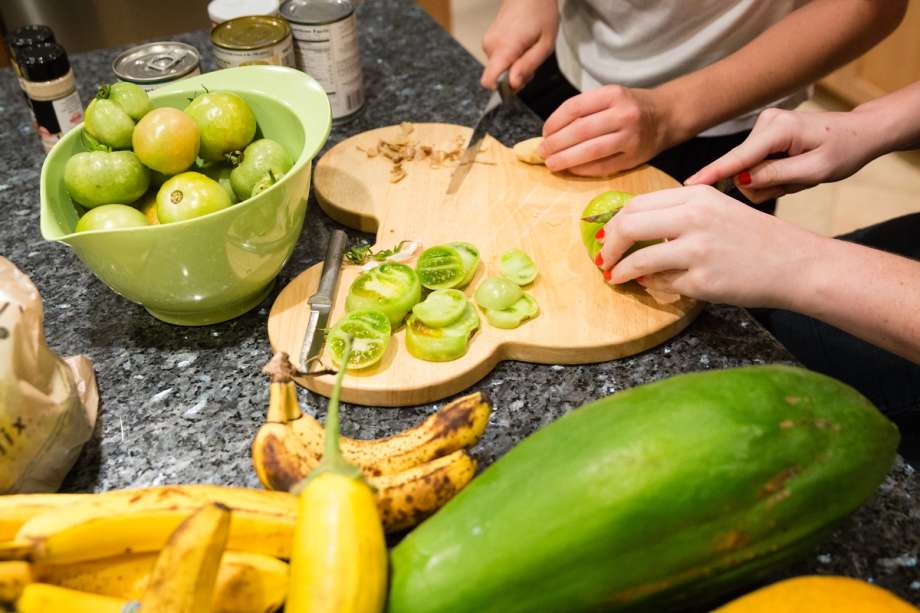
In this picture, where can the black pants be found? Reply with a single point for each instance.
(549, 88)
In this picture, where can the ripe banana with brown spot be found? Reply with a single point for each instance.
(17, 509)
(14, 577)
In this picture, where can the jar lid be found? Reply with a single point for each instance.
(29, 36)
(224, 10)
(44, 62)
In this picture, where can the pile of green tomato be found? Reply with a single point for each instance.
(197, 160)
(438, 328)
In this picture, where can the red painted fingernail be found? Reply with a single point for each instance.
(599, 260)
(744, 178)
(600, 234)
(608, 274)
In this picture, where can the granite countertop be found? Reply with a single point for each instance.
(182, 404)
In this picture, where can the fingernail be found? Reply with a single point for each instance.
(600, 235)
(690, 180)
(744, 178)
(599, 260)
(608, 274)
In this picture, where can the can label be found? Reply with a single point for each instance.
(329, 53)
(281, 54)
(54, 118)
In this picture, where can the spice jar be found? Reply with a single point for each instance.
(51, 89)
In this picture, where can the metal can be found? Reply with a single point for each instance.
(220, 11)
(326, 45)
(154, 64)
(255, 39)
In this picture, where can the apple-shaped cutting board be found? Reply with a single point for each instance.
(503, 203)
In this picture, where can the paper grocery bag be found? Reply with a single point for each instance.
(47, 404)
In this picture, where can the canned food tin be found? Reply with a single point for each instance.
(155, 64)
(220, 11)
(326, 45)
(255, 39)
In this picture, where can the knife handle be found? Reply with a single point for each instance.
(504, 88)
(334, 252)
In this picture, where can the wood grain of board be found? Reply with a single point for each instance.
(503, 203)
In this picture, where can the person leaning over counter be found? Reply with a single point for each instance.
(674, 83)
(846, 307)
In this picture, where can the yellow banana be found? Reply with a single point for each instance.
(456, 425)
(14, 577)
(44, 598)
(406, 498)
(141, 520)
(185, 573)
(17, 509)
(339, 558)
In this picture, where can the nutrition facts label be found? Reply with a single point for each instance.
(329, 53)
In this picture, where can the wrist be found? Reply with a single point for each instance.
(807, 279)
(880, 128)
(671, 118)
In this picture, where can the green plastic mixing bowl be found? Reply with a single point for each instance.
(218, 266)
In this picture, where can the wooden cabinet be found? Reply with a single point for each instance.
(891, 65)
(439, 10)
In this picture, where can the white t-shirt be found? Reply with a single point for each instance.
(643, 43)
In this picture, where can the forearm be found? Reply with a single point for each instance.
(869, 293)
(807, 44)
(896, 118)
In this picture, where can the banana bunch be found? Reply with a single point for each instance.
(414, 473)
(104, 549)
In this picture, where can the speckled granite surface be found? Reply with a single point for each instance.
(182, 405)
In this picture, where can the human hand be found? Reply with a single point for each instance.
(821, 147)
(717, 249)
(520, 38)
(604, 131)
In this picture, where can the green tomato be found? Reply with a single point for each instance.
(225, 121)
(516, 266)
(498, 293)
(262, 184)
(130, 97)
(94, 178)
(370, 331)
(441, 308)
(262, 159)
(189, 195)
(91, 143)
(221, 173)
(441, 344)
(111, 217)
(470, 257)
(391, 288)
(512, 317)
(108, 123)
(607, 202)
(441, 267)
(166, 140)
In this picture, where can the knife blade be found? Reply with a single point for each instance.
(500, 96)
(322, 301)
(723, 185)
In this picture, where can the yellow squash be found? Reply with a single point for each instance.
(339, 556)
(819, 595)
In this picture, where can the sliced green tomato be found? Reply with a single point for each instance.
(391, 288)
(441, 308)
(441, 267)
(607, 202)
(525, 308)
(371, 333)
(518, 267)
(441, 344)
(470, 256)
(497, 293)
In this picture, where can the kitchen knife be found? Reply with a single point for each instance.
(502, 94)
(723, 185)
(322, 301)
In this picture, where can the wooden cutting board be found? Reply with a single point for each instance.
(503, 203)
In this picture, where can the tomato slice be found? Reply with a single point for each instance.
(497, 293)
(371, 334)
(441, 344)
(518, 267)
(512, 317)
(470, 256)
(391, 288)
(441, 308)
(441, 267)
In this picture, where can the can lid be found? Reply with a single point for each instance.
(156, 62)
(252, 32)
(224, 10)
(316, 12)
(44, 62)
(30, 35)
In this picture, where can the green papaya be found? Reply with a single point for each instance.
(666, 494)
